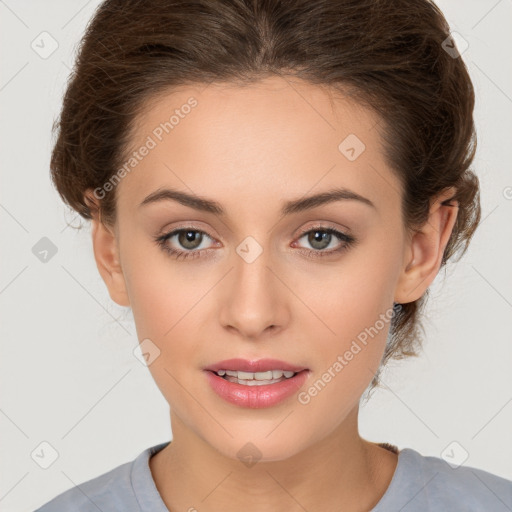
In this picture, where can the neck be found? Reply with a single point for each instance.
(340, 471)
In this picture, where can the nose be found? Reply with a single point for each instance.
(254, 299)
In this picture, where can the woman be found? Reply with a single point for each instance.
(272, 187)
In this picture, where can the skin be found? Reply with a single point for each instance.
(251, 149)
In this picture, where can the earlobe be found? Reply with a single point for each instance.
(426, 248)
(106, 255)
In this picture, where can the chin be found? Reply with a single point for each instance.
(250, 450)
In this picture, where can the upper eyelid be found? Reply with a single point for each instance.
(168, 232)
(191, 227)
(324, 225)
(173, 232)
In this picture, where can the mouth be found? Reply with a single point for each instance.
(256, 389)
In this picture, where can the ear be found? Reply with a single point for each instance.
(424, 251)
(106, 254)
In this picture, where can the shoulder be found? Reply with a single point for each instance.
(100, 493)
(113, 490)
(424, 483)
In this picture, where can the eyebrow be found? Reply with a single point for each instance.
(289, 207)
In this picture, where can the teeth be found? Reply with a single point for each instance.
(254, 382)
(262, 376)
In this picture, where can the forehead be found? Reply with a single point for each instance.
(280, 138)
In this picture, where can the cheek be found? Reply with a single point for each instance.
(355, 325)
(349, 297)
(353, 307)
(159, 296)
(162, 304)
(168, 308)
(345, 363)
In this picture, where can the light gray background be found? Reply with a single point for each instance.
(69, 376)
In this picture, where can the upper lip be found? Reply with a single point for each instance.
(260, 365)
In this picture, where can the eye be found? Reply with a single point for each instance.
(189, 241)
(188, 238)
(320, 238)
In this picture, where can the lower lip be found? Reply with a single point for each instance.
(256, 397)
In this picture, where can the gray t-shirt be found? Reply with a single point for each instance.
(420, 483)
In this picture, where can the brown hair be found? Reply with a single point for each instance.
(389, 56)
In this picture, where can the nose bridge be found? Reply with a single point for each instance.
(252, 277)
(253, 301)
(251, 272)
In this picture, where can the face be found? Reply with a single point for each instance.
(256, 281)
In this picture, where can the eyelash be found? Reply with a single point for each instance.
(177, 254)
